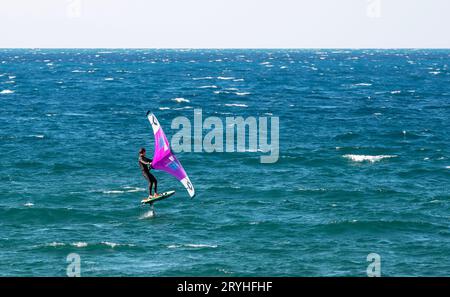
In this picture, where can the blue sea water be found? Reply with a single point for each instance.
(363, 168)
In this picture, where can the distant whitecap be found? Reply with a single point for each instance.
(364, 158)
(236, 105)
(180, 100)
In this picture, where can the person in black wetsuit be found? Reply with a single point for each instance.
(146, 165)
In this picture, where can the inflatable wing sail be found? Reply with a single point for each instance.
(164, 159)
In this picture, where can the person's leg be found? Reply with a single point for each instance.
(154, 182)
(150, 184)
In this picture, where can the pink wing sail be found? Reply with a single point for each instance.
(164, 159)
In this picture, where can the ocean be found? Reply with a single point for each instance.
(363, 163)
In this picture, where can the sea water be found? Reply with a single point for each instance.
(363, 163)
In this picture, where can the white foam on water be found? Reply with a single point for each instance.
(164, 108)
(202, 78)
(114, 244)
(447, 167)
(79, 244)
(225, 77)
(149, 214)
(7, 92)
(236, 105)
(242, 93)
(180, 100)
(55, 244)
(28, 204)
(133, 189)
(363, 158)
(113, 192)
(191, 245)
(126, 189)
(208, 87)
(109, 78)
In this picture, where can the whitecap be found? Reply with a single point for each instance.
(191, 245)
(126, 190)
(202, 78)
(363, 84)
(55, 244)
(224, 78)
(6, 92)
(113, 192)
(113, 244)
(208, 87)
(362, 158)
(242, 93)
(179, 100)
(164, 108)
(236, 105)
(109, 78)
(28, 204)
(79, 244)
(447, 167)
(396, 92)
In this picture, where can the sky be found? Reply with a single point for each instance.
(224, 24)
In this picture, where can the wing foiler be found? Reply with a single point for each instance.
(164, 159)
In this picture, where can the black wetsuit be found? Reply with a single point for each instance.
(144, 163)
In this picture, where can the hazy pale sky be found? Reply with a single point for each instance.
(225, 23)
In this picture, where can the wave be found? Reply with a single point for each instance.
(225, 77)
(109, 78)
(180, 100)
(202, 78)
(82, 244)
(242, 93)
(164, 108)
(363, 158)
(208, 87)
(236, 105)
(192, 245)
(125, 190)
(28, 204)
(7, 92)
(37, 136)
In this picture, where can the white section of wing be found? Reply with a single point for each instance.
(188, 185)
(154, 122)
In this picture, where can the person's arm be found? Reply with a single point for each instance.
(145, 160)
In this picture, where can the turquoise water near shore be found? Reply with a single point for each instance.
(364, 163)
